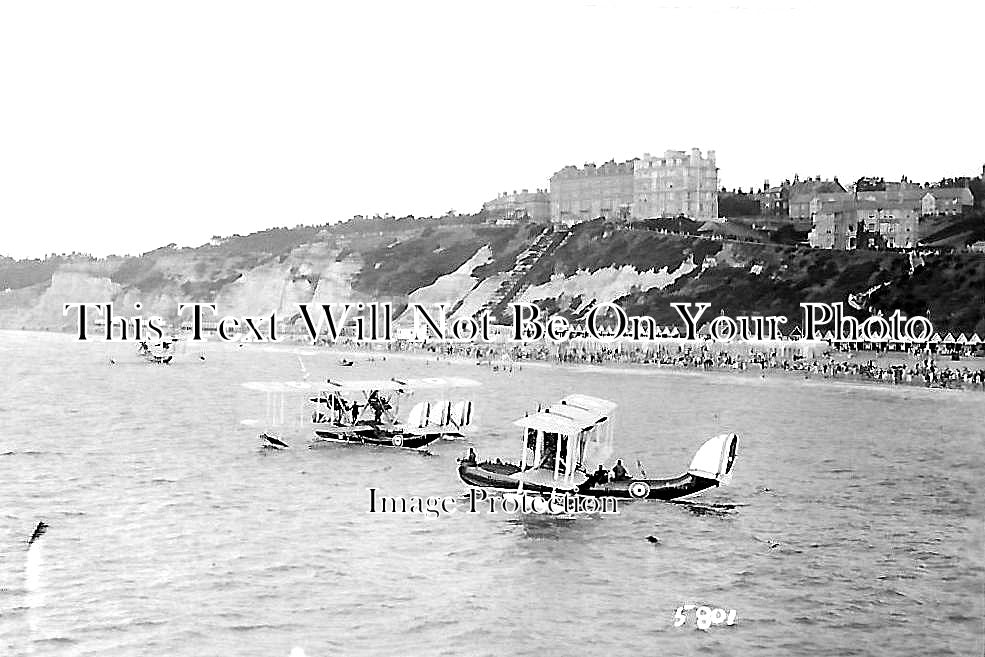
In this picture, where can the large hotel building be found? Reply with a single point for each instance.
(591, 192)
(676, 183)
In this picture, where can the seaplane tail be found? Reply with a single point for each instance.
(39, 531)
(715, 459)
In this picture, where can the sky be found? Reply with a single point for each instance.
(125, 126)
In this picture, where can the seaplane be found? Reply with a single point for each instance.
(559, 440)
(368, 412)
(159, 353)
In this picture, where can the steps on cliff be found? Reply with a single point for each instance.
(494, 293)
(543, 246)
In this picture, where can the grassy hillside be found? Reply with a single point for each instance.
(416, 260)
(953, 232)
(950, 289)
(390, 259)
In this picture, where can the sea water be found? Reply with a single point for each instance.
(853, 524)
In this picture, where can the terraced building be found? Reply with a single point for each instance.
(677, 183)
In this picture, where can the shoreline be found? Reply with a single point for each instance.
(749, 376)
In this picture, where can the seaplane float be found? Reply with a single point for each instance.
(367, 412)
(558, 442)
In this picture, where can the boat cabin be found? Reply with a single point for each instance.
(560, 439)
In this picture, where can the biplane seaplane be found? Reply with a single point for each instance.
(367, 412)
(558, 442)
(159, 353)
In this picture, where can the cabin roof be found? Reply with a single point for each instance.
(550, 423)
(570, 416)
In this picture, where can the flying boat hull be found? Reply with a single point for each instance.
(374, 436)
(498, 476)
(711, 467)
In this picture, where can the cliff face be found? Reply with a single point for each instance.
(263, 273)
(66, 286)
(465, 265)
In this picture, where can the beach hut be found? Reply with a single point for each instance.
(974, 340)
(962, 344)
(948, 342)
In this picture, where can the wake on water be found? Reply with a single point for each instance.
(33, 587)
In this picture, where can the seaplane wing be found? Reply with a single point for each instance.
(393, 384)
(436, 382)
(282, 386)
(426, 431)
(336, 429)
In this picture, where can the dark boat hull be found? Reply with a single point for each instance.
(498, 476)
(375, 437)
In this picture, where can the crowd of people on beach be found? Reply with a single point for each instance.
(922, 372)
(917, 368)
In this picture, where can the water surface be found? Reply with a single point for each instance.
(172, 534)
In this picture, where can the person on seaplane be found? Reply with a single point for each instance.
(619, 472)
(597, 478)
(379, 405)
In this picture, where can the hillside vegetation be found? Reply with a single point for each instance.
(642, 269)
